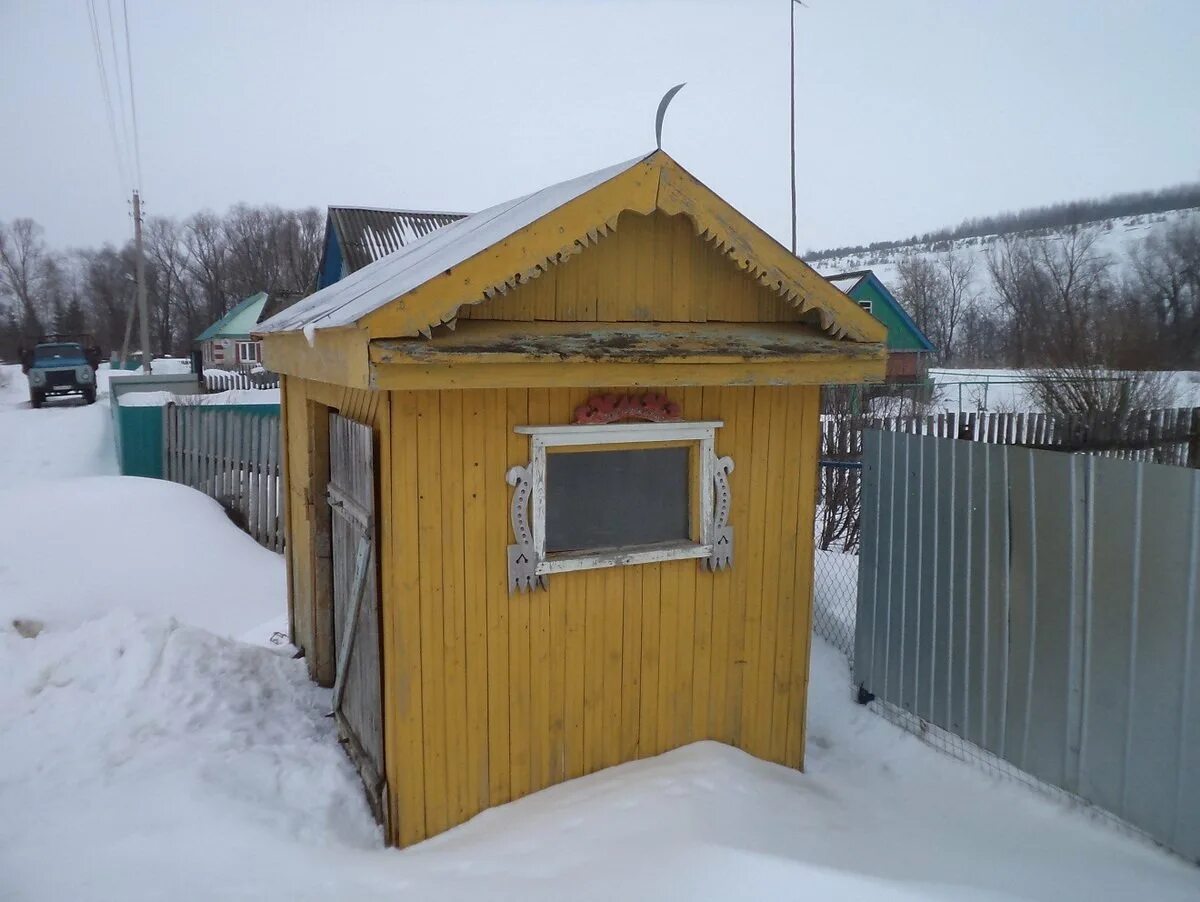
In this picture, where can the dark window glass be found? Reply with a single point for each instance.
(613, 499)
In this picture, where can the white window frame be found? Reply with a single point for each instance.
(544, 437)
(867, 306)
(254, 346)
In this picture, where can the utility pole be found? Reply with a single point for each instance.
(792, 6)
(141, 281)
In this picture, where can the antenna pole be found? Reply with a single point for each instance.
(141, 282)
(792, 132)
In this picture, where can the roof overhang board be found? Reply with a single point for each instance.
(336, 356)
(513, 354)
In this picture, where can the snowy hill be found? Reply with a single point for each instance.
(1117, 237)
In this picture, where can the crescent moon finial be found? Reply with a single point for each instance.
(662, 112)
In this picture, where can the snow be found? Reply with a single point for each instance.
(160, 366)
(149, 755)
(233, 397)
(1007, 390)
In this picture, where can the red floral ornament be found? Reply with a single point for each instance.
(650, 407)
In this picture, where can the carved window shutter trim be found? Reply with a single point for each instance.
(522, 557)
(528, 567)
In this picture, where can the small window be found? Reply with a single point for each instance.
(598, 496)
(617, 498)
(249, 351)
(866, 305)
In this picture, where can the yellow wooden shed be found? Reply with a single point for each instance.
(551, 476)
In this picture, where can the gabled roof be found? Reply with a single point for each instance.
(366, 234)
(422, 285)
(847, 282)
(238, 322)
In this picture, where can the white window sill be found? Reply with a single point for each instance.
(566, 561)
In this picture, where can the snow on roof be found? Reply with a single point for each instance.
(845, 282)
(345, 302)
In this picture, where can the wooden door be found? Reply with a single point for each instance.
(357, 693)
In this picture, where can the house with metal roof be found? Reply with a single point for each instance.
(356, 236)
(909, 349)
(229, 343)
(519, 451)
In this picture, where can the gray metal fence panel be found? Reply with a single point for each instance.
(1042, 606)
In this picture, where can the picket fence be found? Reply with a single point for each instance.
(218, 381)
(233, 457)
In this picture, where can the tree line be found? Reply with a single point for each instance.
(197, 269)
(1033, 219)
(1063, 306)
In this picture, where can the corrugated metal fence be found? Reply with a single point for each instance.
(234, 458)
(1042, 606)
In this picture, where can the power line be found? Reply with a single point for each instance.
(137, 147)
(102, 72)
(112, 39)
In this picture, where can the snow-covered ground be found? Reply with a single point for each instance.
(143, 757)
(1005, 390)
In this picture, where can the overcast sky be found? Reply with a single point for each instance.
(913, 114)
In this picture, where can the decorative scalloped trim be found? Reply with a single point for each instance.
(595, 235)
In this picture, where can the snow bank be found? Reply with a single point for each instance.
(148, 760)
(75, 549)
(236, 396)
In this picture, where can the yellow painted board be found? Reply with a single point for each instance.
(631, 662)
(566, 293)
(614, 587)
(286, 483)
(590, 286)
(648, 743)
(776, 465)
(740, 403)
(390, 668)
(791, 530)
(675, 245)
(752, 560)
(593, 668)
(495, 440)
(686, 640)
(668, 655)
(574, 588)
(406, 761)
(433, 673)
(546, 374)
(544, 296)
(561, 407)
(453, 611)
(702, 694)
(802, 627)
(539, 646)
(475, 578)
(517, 406)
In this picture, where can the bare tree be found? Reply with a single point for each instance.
(26, 272)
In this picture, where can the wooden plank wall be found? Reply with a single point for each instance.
(489, 697)
(654, 269)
